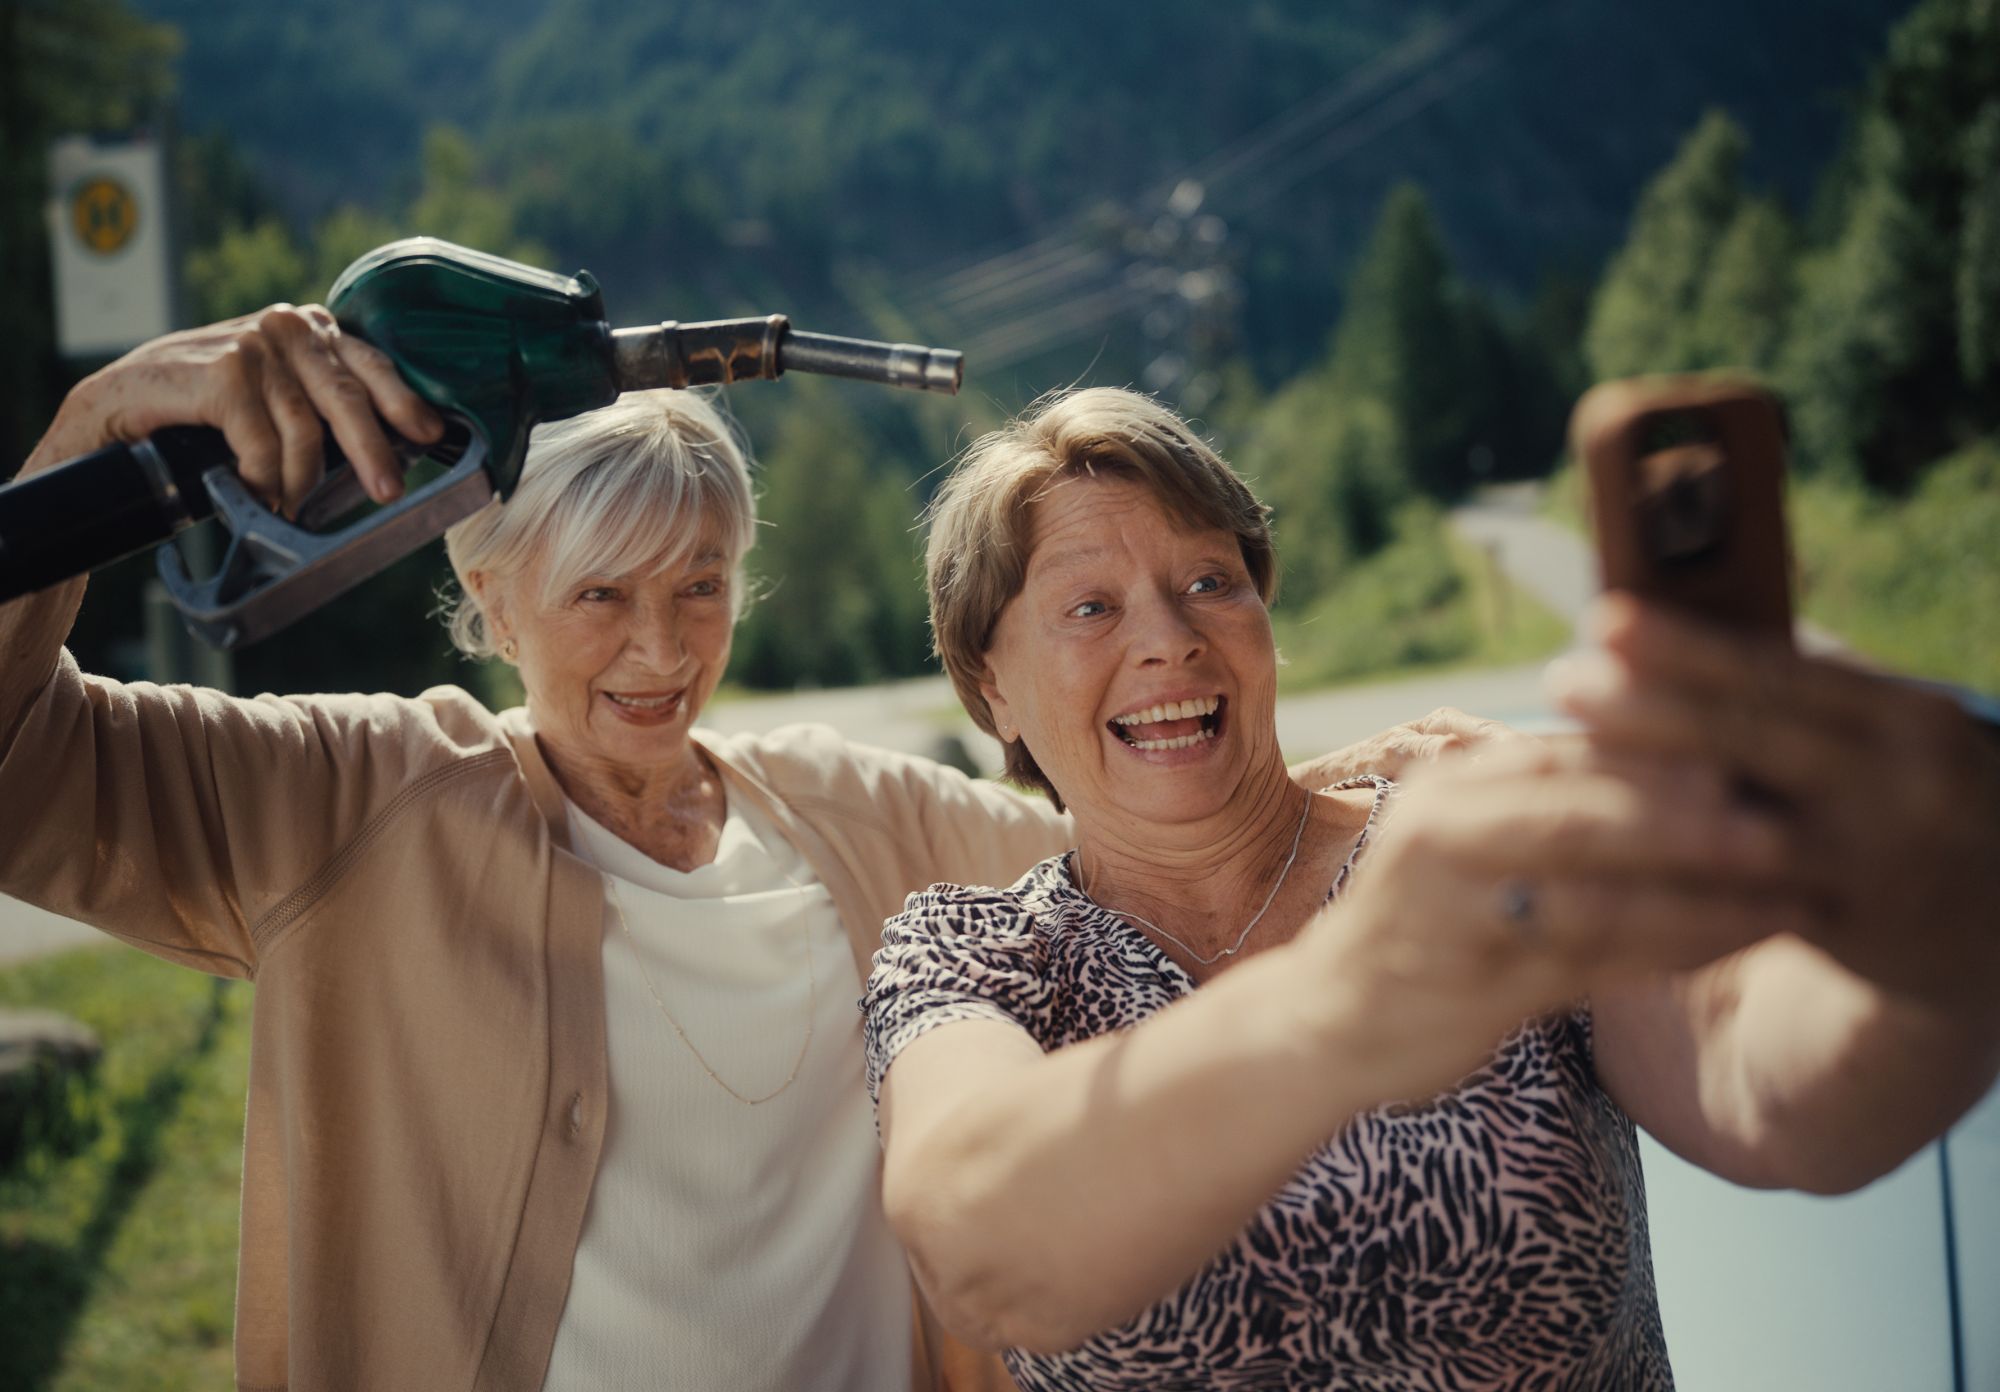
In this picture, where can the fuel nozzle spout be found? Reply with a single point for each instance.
(737, 350)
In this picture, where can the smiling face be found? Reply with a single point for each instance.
(617, 667)
(1137, 659)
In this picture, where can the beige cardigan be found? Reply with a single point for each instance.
(427, 1079)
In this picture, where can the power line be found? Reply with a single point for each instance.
(1265, 144)
(1032, 297)
(1344, 140)
(1245, 155)
(1023, 337)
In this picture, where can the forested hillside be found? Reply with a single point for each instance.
(1377, 248)
(838, 156)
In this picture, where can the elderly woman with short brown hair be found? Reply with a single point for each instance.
(1154, 1115)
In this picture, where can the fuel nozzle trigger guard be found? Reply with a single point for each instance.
(275, 571)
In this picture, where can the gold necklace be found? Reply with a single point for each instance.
(812, 1001)
(1242, 937)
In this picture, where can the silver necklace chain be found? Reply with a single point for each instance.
(1298, 836)
(812, 1001)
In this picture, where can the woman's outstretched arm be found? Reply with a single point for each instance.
(1819, 1060)
(1045, 1197)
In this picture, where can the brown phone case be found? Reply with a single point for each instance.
(1687, 478)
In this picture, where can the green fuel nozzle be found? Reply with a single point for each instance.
(497, 346)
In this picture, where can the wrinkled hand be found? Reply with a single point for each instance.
(267, 381)
(1503, 887)
(1402, 747)
(1891, 795)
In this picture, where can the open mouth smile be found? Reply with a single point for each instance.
(1170, 724)
(646, 708)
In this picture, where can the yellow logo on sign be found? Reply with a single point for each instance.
(104, 214)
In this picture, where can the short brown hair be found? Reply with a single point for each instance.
(977, 559)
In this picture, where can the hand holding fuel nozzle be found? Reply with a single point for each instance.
(457, 353)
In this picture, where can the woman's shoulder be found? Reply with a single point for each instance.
(956, 946)
(812, 763)
(946, 909)
(811, 754)
(1036, 892)
(441, 724)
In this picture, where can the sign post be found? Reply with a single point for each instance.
(111, 233)
(112, 241)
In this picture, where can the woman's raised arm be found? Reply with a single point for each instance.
(117, 811)
(274, 383)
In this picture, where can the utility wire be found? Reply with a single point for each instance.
(1001, 304)
(1246, 155)
(1342, 141)
(1262, 146)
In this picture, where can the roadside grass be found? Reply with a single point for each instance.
(118, 1227)
(1912, 583)
(1426, 601)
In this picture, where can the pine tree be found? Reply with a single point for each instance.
(1643, 317)
(1979, 256)
(1890, 362)
(1405, 340)
(842, 600)
(1740, 313)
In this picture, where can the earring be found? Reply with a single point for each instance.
(509, 650)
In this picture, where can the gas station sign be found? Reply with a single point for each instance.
(109, 234)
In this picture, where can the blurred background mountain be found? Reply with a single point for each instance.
(1376, 247)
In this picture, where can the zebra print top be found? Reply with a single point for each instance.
(1493, 1237)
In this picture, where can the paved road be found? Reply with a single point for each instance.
(1548, 560)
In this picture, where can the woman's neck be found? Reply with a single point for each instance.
(672, 811)
(1274, 847)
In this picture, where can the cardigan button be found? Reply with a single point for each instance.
(575, 1116)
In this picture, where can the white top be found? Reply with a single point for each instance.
(730, 1246)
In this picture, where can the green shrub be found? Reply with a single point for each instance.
(1422, 600)
(1911, 583)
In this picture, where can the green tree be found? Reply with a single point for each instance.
(1979, 255)
(1856, 329)
(245, 268)
(1408, 340)
(1890, 362)
(1644, 315)
(1332, 469)
(458, 204)
(255, 263)
(1745, 299)
(1426, 389)
(842, 594)
(65, 68)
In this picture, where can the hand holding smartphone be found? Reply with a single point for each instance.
(1687, 500)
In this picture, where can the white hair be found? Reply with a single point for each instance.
(628, 488)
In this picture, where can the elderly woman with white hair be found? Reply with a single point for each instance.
(556, 1076)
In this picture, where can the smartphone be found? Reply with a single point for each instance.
(1687, 496)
